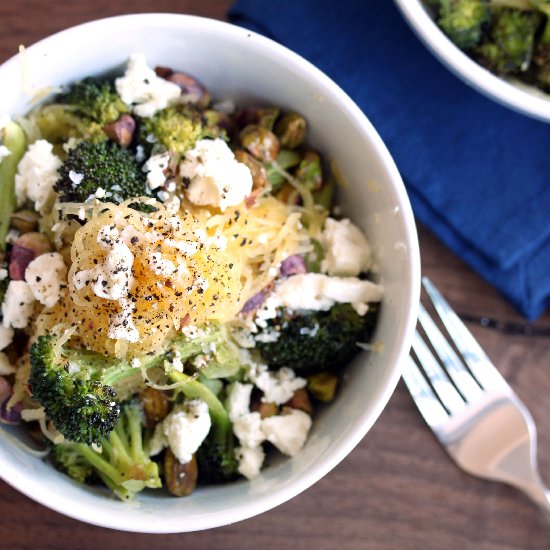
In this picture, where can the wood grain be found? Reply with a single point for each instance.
(397, 489)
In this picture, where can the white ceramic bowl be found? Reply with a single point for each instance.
(511, 93)
(239, 65)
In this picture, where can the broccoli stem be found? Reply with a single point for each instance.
(193, 389)
(13, 138)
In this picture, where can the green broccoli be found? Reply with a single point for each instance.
(74, 388)
(95, 99)
(175, 129)
(541, 58)
(319, 340)
(90, 166)
(510, 40)
(121, 463)
(13, 138)
(463, 20)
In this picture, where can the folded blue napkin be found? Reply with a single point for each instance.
(478, 174)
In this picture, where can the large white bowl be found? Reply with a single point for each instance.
(240, 65)
(516, 95)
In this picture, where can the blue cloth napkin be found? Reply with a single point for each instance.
(478, 174)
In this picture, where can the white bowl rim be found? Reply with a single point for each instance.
(535, 104)
(65, 505)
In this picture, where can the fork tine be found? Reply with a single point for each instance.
(456, 370)
(480, 365)
(423, 396)
(446, 392)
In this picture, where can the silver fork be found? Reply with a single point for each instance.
(473, 412)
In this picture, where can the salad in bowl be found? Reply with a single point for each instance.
(179, 292)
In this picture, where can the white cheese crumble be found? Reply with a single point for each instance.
(3, 274)
(122, 325)
(238, 399)
(47, 276)
(186, 427)
(6, 336)
(248, 428)
(144, 91)
(216, 177)
(288, 432)
(278, 386)
(250, 461)
(315, 291)
(347, 251)
(113, 280)
(155, 167)
(5, 366)
(18, 305)
(36, 176)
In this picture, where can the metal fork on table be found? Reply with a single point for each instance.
(469, 406)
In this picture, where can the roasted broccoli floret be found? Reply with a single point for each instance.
(120, 461)
(95, 99)
(175, 129)
(509, 43)
(90, 166)
(317, 341)
(463, 20)
(74, 388)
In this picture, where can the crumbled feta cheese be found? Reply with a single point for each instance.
(143, 90)
(75, 178)
(315, 291)
(6, 336)
(158, 441)
(288, 432)
(193, 331)
(238, 400)
(155, 167)
(47, 276)
(186, 427)
(250, 461)
(114, 278)
(3, 274)
(122, 325)
(347, 251)
(18, 305)
(36, 175)
(100, 193)
(278, 386)
(5, 366)
(248, 428)
(160, 266)
(216, 177)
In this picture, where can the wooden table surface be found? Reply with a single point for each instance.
(397, 489)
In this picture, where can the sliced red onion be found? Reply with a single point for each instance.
(5, 389)
(257, 300)
(10, 416)
(20, 258)
(293, 265)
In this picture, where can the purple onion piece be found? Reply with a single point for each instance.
(10, 416)
(20, 258)
(257, 300)
(293, 265)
